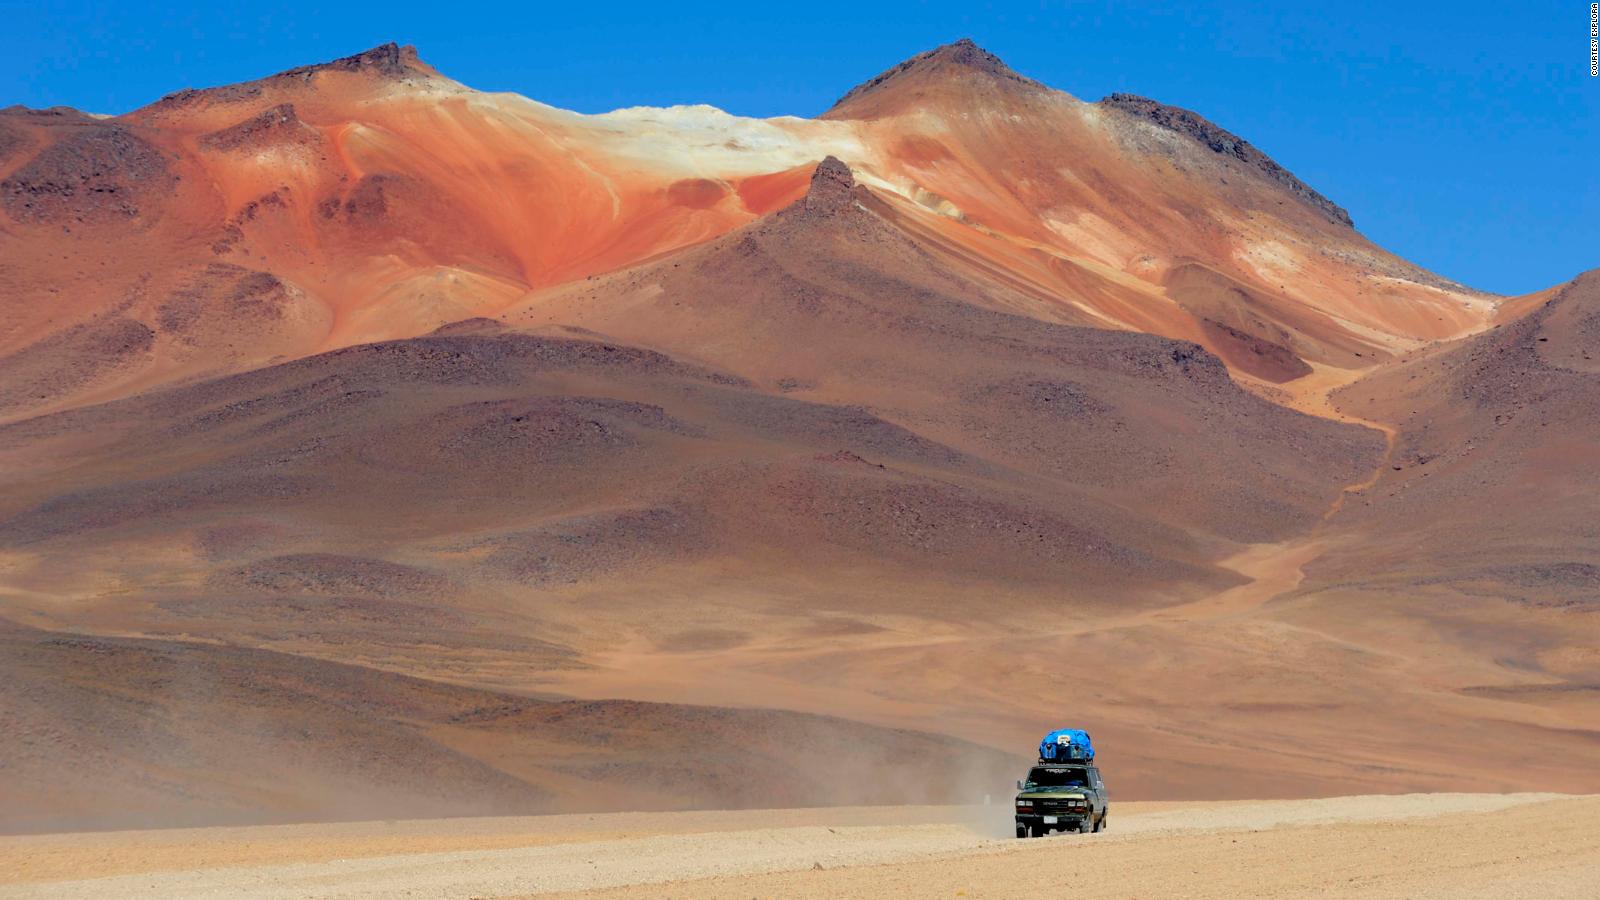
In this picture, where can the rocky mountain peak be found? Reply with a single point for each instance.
(832, 187)
(958, 60)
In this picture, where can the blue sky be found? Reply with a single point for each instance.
(1464, 136)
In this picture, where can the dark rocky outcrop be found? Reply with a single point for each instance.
(271, 125)
(832, 188)
(93, 173)
(388, 61)
(1220, 140)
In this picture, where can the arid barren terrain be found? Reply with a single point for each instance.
(1418, 845)
(373, 447)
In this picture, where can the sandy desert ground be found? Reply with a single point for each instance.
(1416, 845)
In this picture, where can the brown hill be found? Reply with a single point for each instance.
(165, 733)
(1483, 519)
(1499, 421)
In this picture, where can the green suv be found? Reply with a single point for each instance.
(1061, 797)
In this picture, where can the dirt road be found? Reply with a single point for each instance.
(1424, 845)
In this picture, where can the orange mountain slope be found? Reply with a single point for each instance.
(372, 198)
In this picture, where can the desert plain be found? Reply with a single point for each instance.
(1416, 845)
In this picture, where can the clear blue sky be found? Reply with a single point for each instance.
(1464, 136)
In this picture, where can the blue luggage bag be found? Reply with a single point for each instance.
(1066, 745)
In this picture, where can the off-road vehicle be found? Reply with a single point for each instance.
(1061, 797)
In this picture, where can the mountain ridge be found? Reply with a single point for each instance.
(311, 174)
(389, 61)
(1220, 140)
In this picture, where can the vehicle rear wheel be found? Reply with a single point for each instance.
(1104, 823)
